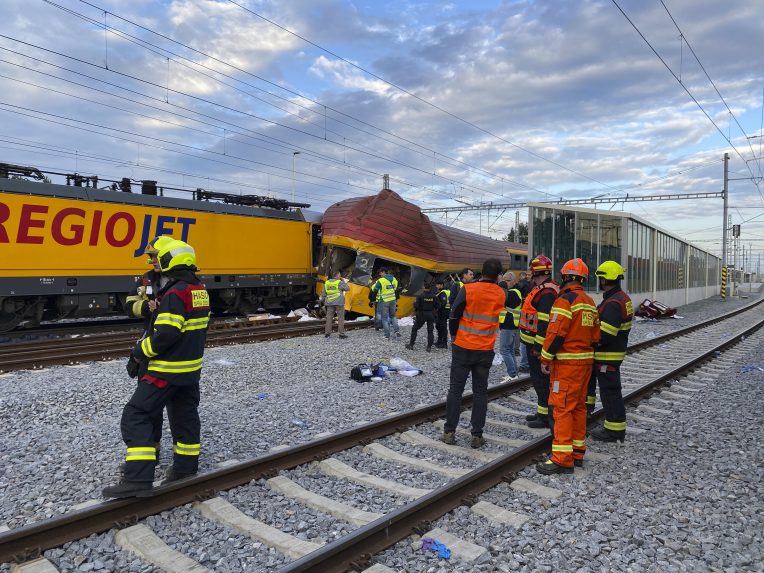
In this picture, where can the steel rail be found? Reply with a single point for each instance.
(29, 541)
(354, 550)
(108, 348)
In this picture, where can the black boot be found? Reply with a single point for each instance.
(605, 435)
(539, 422)
(172, 476)
(410, 346)
(129, 489)
(531, 417)
(549, 468)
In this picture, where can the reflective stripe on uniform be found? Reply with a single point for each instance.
(608, 328)
(562, 448)
(574, 355)
(175, 366)
(175, 320)
(579, 443)
(625, 326)
(546, 355)
(187, 449)
(563, 312)
(609, 355)
(196, 324)
(542, 316)
(502, 316)
(483, 317)
(137, 307)
(615, 426)
(583, 306)
(527, 338)
(478, 331)
(146, 348)
(591, 400)
(142, 453)
(543, 410)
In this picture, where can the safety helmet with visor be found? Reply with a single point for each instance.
(176, 254)
(541, 265)
(574, 268)
(610, 271)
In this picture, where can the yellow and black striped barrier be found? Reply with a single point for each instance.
(724, 283)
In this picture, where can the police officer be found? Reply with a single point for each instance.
(386, 288)
(375, 297)
(534, 319)
(441, 318)
(333, 297)
(567, 358)
(174, 354)
(426, 307)
(615, 311)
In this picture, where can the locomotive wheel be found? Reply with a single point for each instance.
(9, 321)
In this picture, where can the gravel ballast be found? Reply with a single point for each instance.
(61, 441)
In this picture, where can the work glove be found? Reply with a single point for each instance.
(132, 367)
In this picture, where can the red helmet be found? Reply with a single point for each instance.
(575, 267)
(541, 265)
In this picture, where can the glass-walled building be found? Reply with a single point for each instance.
(658, 265)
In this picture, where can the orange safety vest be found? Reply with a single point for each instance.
(574, 317)
(529, 315)
(479, 324)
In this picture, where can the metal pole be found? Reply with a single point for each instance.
(294, 154)
(725, 191)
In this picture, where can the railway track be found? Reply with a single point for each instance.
(70, 351)
(648, 366)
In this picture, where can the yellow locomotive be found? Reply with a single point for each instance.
(75, 251)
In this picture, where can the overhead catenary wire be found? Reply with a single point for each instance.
(692, 97)
(232, 109)
(426, 151)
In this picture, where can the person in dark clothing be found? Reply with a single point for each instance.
(616, 312)
(509, 321)
(143, 304)
(466, 276)
(441, 317)
(426, 307)
(524, 286)
(169, 362)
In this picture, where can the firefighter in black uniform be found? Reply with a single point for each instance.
(441, 318)
(173, 353)
(616, 311)
(426, 306)
(534, 320)
(143, 305)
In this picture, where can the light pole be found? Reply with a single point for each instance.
(294, 153)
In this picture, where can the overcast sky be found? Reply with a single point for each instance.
(469, 101)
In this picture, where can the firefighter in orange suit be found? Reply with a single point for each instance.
(616, 311)
(474, 325)
(567, 356)
(534, 319)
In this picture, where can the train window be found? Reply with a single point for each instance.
(316, 249)
(400, 271)
(323, 260)
(342, 260)
(419, 278)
